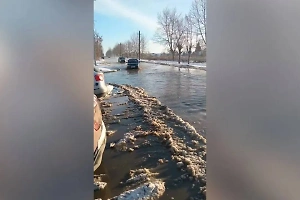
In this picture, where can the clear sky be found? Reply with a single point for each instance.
(117, 20)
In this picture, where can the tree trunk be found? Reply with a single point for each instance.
(189, 55)
(173, 55)
(179, 56)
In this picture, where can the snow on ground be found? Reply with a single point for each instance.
(100, 61)
(148, 191)
(142, 183)
(98, 183)
(140, 175)
(103, 66)
(121, 145)
(175, 63)
(106, 70)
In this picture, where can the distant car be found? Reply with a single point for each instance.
(132, 63)
(99, 135)
(121, 60)
(99, 83)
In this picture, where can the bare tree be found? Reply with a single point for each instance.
(130, 48)
(127, 48)
(167, 28)
(134, 44)
(118, 49)
(198, 48)
(179, 36)
(109, 52)
(189, 36)
(134, 39)
(121, 48)
(98, 49)
(198, 14)
(115, 49)
(143, 44)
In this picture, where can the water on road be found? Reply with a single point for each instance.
(179, 163)
(183, 90)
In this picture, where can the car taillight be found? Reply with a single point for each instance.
(96, 126)
(99, 77)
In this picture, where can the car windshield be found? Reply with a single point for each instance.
(132, 60)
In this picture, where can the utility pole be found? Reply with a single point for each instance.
(94, 44)
(120, 50)
(139, 45)
(94, 50)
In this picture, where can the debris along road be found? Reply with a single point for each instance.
(151, 152)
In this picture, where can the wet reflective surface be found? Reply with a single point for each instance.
(182, 90)
(148, 150)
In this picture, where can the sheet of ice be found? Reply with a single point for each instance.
(100, 61)
(99, 185)
(105, 70)
(140, 175)
(151, 190)
(108, 90)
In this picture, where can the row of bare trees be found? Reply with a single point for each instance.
(98, 49)
(129, 48)
(182, 33)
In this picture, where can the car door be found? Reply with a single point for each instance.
(97, 122)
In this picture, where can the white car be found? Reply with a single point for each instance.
(100, 87)
(99, 83)
(99, 134)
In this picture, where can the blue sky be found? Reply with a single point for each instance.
(117, 20)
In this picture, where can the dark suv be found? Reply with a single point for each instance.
(132, 63)
(121, 60)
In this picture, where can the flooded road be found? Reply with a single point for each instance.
(149, 140)
(183, 90)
